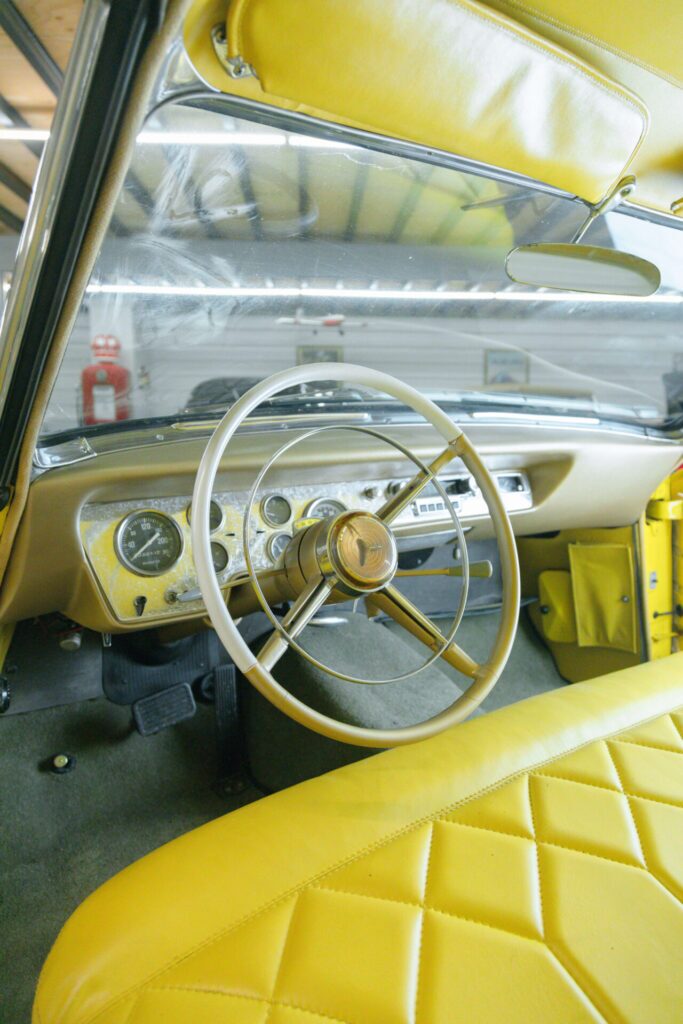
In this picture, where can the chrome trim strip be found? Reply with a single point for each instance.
(634, 209)
(264, 113)
(48, 187)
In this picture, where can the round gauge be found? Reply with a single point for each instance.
(215, 516)
(276, 510)
(148, 543)
(325, 508)
(277, 545)
(219, 557)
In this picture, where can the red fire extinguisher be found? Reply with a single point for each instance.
(105, 384)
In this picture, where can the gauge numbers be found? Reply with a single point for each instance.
(215, 516)
(324, 508)
(276, 510)
(219, 557)
(148, 543)
(277, 545)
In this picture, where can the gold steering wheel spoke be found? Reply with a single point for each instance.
(396, 504)
(476, 570)
(310, 600)
(395, 604)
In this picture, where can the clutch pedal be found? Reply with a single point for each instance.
(160, 710)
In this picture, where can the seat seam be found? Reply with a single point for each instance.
(652, 874)
(628, 805)
(197, 990)
(651, 746)
(675, 724)
(556, 951)
(553, 952)
(551, 843)
(423, 903)
(278, 970)
(378, 844)
(487, 828)
(536, 854)
(136, 1000)
(610, 789)
(431, 909)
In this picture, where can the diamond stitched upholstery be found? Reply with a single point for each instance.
(551, 894)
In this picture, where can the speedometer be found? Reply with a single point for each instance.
(148, 543)
(324, 508)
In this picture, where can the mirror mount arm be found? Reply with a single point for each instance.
(621, 191)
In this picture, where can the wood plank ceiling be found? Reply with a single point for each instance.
(35, 41)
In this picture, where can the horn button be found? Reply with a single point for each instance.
(360, 550)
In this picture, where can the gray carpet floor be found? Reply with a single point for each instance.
(62, 836)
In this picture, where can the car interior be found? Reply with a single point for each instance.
(341, 550)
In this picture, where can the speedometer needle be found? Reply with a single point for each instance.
(146, 545)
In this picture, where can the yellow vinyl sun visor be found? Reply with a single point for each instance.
(449, 74)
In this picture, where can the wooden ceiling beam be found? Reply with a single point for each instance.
(14, 183)
(30, 46)
(12, 115)
(11, 220)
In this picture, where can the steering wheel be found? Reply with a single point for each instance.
(353, 554)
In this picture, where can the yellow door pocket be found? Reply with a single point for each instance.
(603, 585)
(556, 601)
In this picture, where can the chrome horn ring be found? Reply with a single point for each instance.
(275, 622)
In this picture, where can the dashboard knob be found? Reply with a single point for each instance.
(371, 492)
(395, 486)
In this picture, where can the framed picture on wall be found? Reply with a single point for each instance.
(319, 354)
(505, 366)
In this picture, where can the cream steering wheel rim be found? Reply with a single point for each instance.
(246, 660)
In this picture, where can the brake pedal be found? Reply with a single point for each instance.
(163, 709)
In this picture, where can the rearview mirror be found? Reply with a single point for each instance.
(582, 268)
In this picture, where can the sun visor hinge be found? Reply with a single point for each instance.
(621, 191)
(235, 66)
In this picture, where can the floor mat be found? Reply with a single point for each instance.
(271, 736)
(62, 836)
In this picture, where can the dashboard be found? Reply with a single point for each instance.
(106, 540)
(141, 553)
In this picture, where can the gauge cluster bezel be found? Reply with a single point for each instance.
(101, 522)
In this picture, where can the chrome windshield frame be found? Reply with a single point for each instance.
(48, 187)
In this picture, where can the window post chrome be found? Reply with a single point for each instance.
(48, 187)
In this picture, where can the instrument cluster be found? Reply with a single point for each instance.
(141, 553)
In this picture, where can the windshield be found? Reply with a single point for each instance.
(239, 248)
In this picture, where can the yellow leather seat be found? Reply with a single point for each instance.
(525, 866)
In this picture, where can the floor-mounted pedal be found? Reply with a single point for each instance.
(160, 710)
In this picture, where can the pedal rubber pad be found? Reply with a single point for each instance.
(168, 707)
